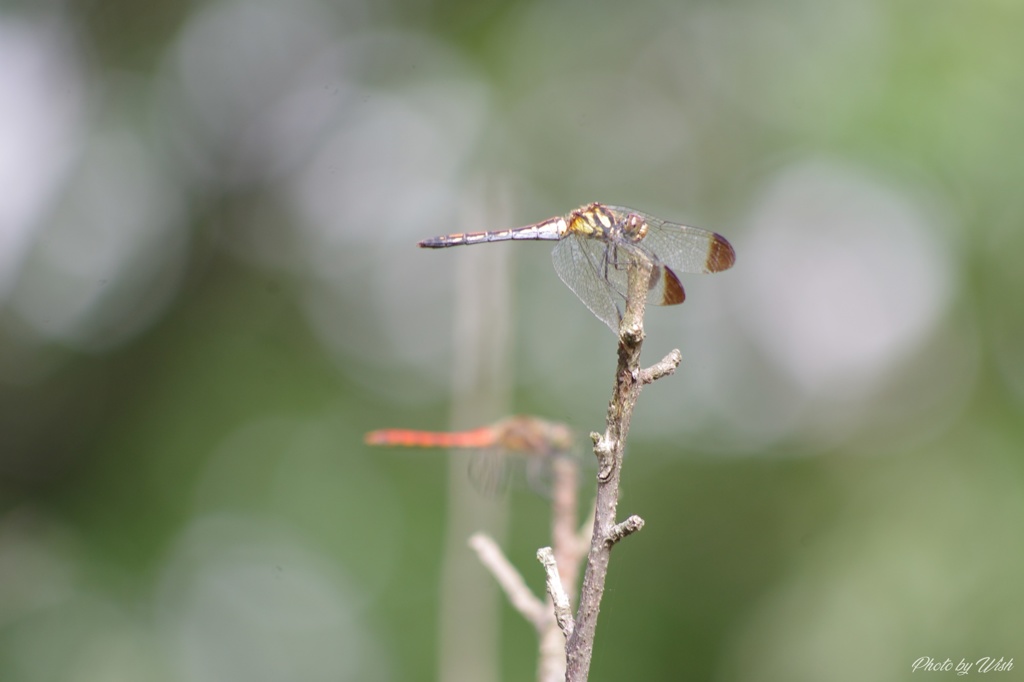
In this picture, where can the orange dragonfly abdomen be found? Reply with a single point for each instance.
(530, 438)
(483, 437)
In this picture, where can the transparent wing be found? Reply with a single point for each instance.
(683, 248)
(587, 267)
(542, 473)
(489, 471)
(598, 273)
(666, 289)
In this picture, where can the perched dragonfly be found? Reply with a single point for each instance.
(597, 243)
(533, 439)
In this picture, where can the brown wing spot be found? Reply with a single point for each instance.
(721, 255)
(673, 293)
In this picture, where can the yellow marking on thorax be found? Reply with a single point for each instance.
(599, 214)
(590, 220)
(579, 224)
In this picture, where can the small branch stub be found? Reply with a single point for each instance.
(563, 609)
(667, 365)
(632, 333)
(625, 529)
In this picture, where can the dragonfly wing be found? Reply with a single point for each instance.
(489, 471)
(683, 248)
(666, 289)
(583, 265)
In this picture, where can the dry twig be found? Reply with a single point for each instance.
(609, 448)
(561, 564)
(511, 582)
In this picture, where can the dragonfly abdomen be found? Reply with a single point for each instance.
(549, 230)
(463, 238)
(476, 438)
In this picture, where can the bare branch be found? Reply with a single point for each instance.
(511, 582)
(586, 530)
(551, 659)
(608, 448)
(667, 365)
(563, 610)
(564, 513)
(553, 620)
(625, 529)
(568, 554)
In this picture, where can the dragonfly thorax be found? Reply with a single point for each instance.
(599, 222)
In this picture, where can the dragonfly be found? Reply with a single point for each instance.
(597, 243)
(532, 439)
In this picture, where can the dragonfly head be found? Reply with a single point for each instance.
(635, 228)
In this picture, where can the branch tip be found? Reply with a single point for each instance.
(667, 365)
(559, 599)
(623, 530)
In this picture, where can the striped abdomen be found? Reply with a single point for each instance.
(551, 230)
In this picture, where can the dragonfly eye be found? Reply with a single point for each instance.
(636, 227)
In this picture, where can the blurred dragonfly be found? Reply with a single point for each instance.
(597, 243)
(531, 439)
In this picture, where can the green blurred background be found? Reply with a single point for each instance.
(209, 290)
